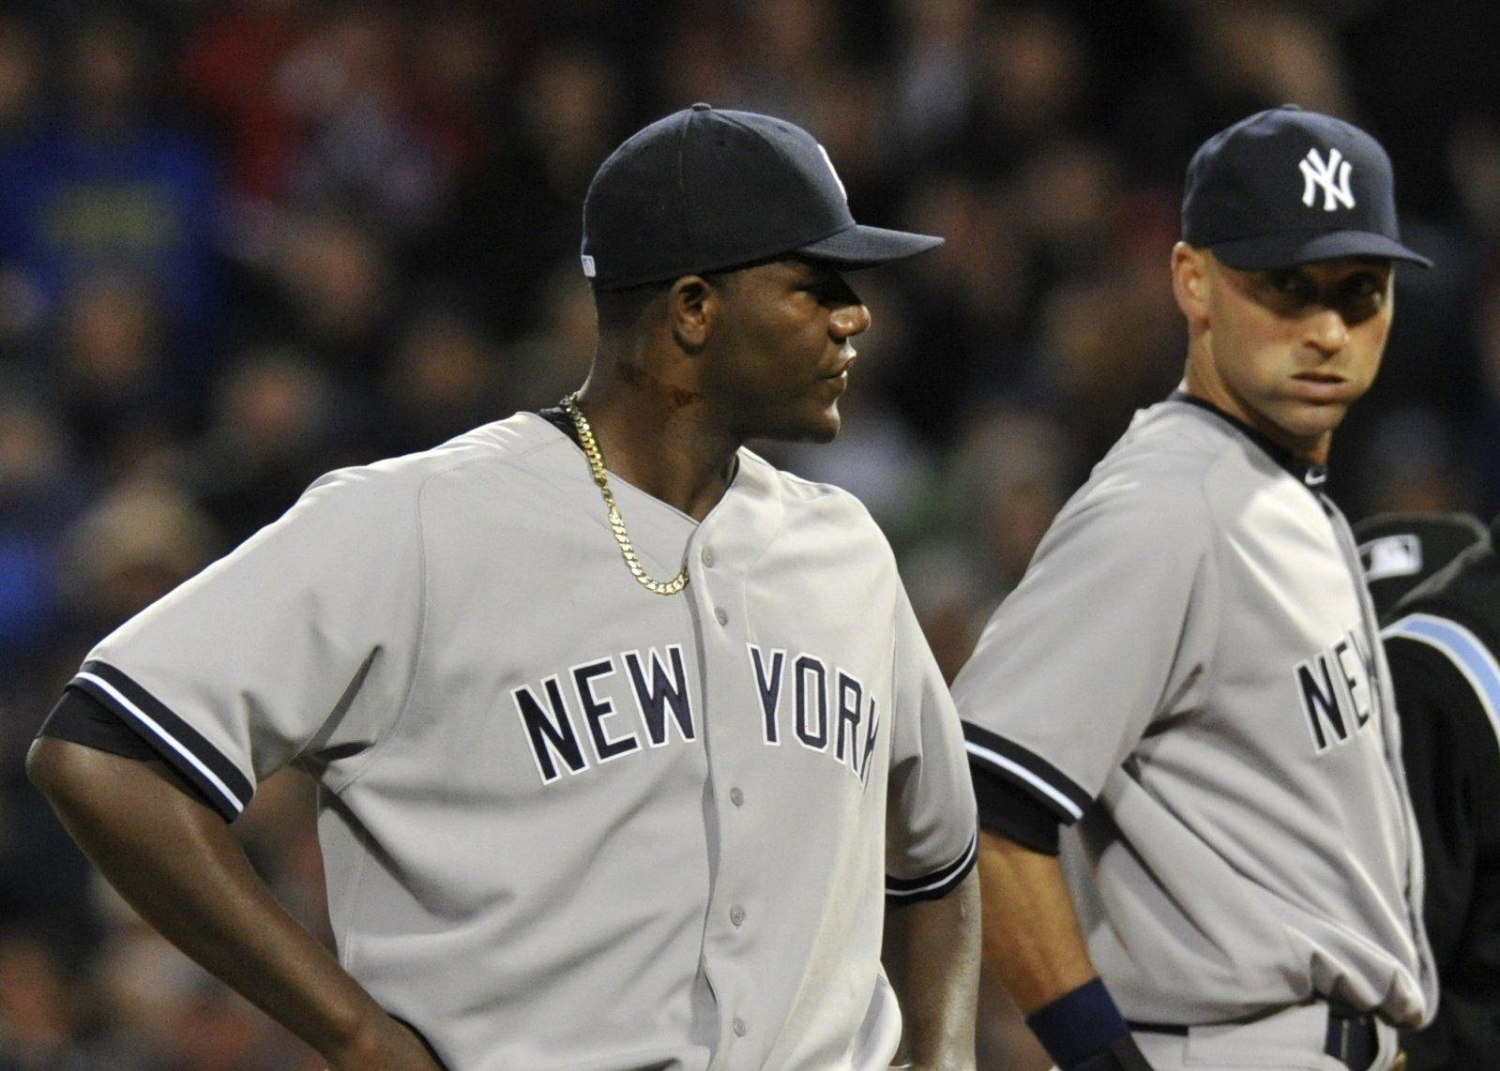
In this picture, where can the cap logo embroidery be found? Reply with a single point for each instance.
(834, 173)
(1332, 177)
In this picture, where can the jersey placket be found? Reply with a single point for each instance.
(1390, 725)
(735, 926)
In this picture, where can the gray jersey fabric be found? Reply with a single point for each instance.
(568, 823)
(1190, 673)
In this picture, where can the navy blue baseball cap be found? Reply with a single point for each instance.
(706, 189)
(1289, 186)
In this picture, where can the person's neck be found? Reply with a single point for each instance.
(658, 439)
(1212, 389)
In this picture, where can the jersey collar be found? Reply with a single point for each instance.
(1308, 473)
(562, 422)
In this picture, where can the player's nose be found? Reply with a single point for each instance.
(1327, 331)
(847, 321)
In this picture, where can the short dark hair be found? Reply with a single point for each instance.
(619, 309)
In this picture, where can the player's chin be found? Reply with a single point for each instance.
(1300, 429)
(1314, 420)
(813, 423)
(825, 433)
(826, 420)
(824, 425)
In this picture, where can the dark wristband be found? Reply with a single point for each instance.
(1122, 1055)
(1078, 1025)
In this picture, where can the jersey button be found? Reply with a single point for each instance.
(736, 797)
(740, 1027)
(721, 615)
(708, 556)
(737, 915)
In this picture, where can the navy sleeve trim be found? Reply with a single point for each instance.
(220, 781)
(1031, 773)
(1007, 809)
(82, 719)
(902, 891)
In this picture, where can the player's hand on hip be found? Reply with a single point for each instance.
(1122, 1055)
(387, 1045)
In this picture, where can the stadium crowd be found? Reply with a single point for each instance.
(243, 242)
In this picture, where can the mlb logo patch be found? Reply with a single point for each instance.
(1393, 555)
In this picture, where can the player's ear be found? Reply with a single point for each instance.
(692, 305)
(1190, 281)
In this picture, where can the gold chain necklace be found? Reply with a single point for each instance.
(616, 521)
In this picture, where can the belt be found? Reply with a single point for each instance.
(1352, 1039)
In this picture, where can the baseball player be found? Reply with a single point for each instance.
(1442, 640)
(624, 738)
(1190, 675)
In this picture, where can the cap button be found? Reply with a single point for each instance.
(701, 107)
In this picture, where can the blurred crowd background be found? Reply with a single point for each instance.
(243, 242)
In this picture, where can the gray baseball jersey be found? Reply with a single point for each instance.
(568, 823)
(1190, 673)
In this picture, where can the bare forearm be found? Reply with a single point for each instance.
(177, 863)
(1035, 947)
(932, 958)
(1032, 941)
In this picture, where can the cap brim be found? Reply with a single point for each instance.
(1287, 250)
(865, 247)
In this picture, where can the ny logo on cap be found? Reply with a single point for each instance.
(1316, 173)
(834, 173)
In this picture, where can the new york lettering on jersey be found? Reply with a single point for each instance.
(1337, 691)
(580, 719)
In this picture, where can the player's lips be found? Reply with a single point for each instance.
(846, 359)
(1322, 387)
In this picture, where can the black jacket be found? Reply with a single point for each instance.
(1443, 642)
